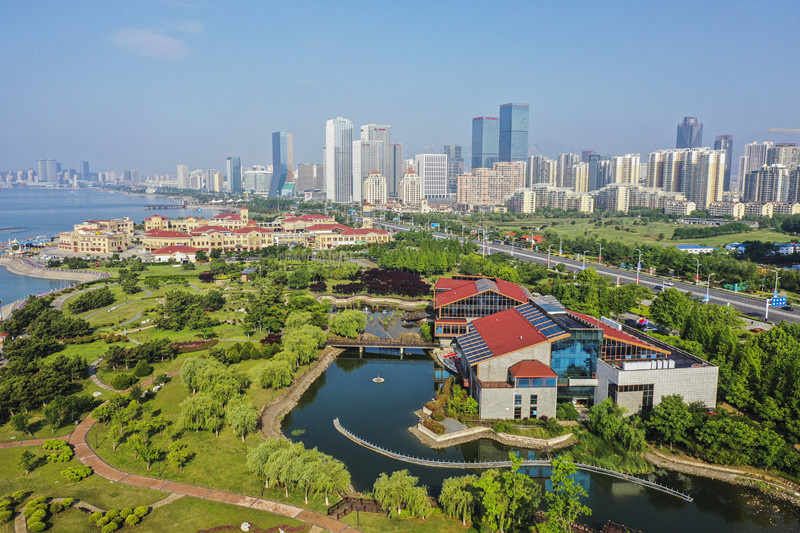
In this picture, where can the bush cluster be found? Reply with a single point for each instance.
(434, 426)
(385, 281)
(195, 346)
(114, 519)
(77, 473)
(123, 381)
(91, 300)
(63, 451)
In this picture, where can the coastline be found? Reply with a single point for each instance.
(25, 267)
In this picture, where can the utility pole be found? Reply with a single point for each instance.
(548, 255)
(697, 272)
(638, 265)
(600, 255)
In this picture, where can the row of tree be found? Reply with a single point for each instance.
(94, 299)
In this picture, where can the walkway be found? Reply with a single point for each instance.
(502, 464)
(93, 375)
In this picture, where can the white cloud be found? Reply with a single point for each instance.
(150, 43)
(189, 26)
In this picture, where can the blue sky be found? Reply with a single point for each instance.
(152, 84)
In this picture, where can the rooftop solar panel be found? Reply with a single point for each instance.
(484, 284)
(546, 325)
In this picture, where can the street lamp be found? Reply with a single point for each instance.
(697, 272)
(600, 255)
(560, 248)
(708, 287)
(584, 260)
(548, 255)
(638, 265)
(775, 292)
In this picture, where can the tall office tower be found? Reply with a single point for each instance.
(513, 132)
(258, 179)
(374, 189)
(538, 171)
(397, 163)
(564, 177)
(234, 169)
(690, 133)
(511, 177)
(432, 168)
(581, 173)
(485, 141)
(455, 166)
(52, 168)
(367, 158)
(383, 133)
(625, 169)
(280, 162)
(725, 143)
(85, 174)
(184, 177)
(410, 188)
(309, 177)
(219, 182)
(599, 171)
(41, 170)
(586, 154)
(786, 154)
(289, 156)
(339, 160)
(768, 184)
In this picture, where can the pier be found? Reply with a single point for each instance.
(503, 464)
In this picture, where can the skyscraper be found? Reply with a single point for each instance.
(383, 133)
(234, 169)
(768, 184)
(599, 171)
(309, 177)
(485, 141)
(397, 164)
(41, 170)
(455, 165)
(184, 177)
(339, 160)
(367, 158)
(539, 170)
(725, 143)
(690, 133)
(564, 176)
(85, 174)
(280, 162)
(586, 154)
(513, 132)
(432, 168)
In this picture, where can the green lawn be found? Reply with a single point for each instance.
(376, 523)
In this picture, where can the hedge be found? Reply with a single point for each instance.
(434, 426)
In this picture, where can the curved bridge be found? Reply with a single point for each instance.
(502, 464)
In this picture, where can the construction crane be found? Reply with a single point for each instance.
(781, 130)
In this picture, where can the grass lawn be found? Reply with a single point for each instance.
(90, 351)
(376, 523)
(46, 480)
(192, 514)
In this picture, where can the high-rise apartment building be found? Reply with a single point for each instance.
(309, 177)
(599, 171)
(580, 173)
(383, 133)
(367, 158)
(755, 157)
(513, 132)
(397, 164)
(41, 170)
(485, 141)
(184, 177)
(218, 182)
(625, 169)
(410, 188)
(282, 146)
(768, 184)
(690, 133)
(786, 154)
(696, 173)
(234, 170)
(564, 164)
(586, 155)
(455, 166)
(374, 189)
(512, 177)
(540, 170)
(725, 143)
(432, 168)
(339, 160)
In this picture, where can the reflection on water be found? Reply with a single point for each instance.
(382, 414)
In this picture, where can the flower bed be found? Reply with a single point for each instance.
(195, 346)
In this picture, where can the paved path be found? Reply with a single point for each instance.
(93, 375)
(58, 303)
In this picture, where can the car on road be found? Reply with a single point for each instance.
(787, 308)
(668, 283)
(658, 288)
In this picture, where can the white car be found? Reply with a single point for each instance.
(668, 283)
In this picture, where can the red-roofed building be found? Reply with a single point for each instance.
(294, 223)
(226, 220)
(178, 253)
(344, 236)
(456, 302)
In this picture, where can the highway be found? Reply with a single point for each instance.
(750, 306)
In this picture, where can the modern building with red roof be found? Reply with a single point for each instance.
(519, 361)
(178, 253)
(457, 302)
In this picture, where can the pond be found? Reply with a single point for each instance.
(382, 414)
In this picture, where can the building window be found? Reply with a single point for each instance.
(533, 412)
(518, 412)
(534, 399)
(518, 399)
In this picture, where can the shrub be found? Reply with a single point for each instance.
(552, 427)
(67, 502)
(110, 528)
(54, 444)
(566, 411)
(195, 346)
(141, 511)
(132, 520)
(5, 515)
(95, 516)
(142, 369)
(77, 473)
(35, 527)
(112, 514)
(431, 406)
(102, 521)
(438, 415)
(56, 507)
(127, 511)
(123, 381)
(501, 427)
(434, 426)
(63, 457)
(17, 496)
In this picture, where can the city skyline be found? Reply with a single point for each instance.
(143, 101)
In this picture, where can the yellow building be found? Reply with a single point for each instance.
(225, 220)
(114, 225)
(93, 241)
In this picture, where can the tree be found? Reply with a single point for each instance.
(201, 256)
(332, 477)
(563, 503)
(179, 454)
(458, 497)
(28, 461)
(350, 323)
(400, 490)
(671, 308)
(494, 502)
(242, 416)
(670, 420)
(259, 459)
(21, 422)
(276, 374)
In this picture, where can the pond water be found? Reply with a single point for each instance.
(382, 414)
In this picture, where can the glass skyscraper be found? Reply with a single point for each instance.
(725, 142)
(234, 174)
(514, 132)
(485, 141)
(280, 162)
(339, 160)
(690, 133)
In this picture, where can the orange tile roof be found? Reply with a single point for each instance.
(165, 233)
(532, 369)
(169, 250)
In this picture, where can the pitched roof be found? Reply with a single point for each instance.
(162, 217)
(510, 290)
(314, 217)
(364, 231)
(614, 333)
(532, 369)
(251, 229)
(508, 331)
(327, 227)
(209, 229)
(227, 216)
(445, 284)
(165, 233)
(169, 250)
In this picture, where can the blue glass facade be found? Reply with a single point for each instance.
(514, 132)
(485, 141)
(280, 163)
(577, 355)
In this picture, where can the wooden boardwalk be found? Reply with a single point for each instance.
(503, 464)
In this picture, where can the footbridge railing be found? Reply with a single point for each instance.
(437, 463)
